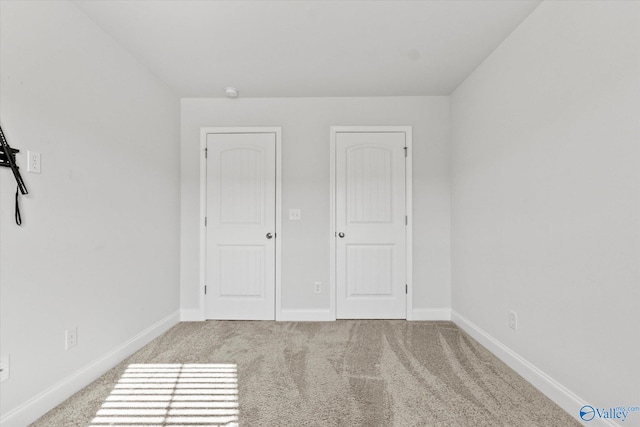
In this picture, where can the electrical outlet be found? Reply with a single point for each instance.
(4, 368)
(513, 320)
(71, 338)
(33, 162)
(317, 287)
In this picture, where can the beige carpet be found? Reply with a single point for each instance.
(344, 373)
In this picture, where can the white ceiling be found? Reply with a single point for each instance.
(309, 48)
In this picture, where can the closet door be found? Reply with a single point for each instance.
(240, 226)
(370, 225)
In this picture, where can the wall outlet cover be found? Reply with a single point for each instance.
(513, 320)
(70, 338)
(33, 162)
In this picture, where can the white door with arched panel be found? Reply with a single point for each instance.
(240, 230)
(370, 225)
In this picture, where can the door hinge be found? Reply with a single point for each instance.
(206, 153)
(406, 289)
(205, 289)
(406, 220)
(406, 151)
(205, 221)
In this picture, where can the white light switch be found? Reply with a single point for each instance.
(294, 214)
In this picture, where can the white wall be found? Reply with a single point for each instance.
(305, 126)
(99, 246)
(546, 197)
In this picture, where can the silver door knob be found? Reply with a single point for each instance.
(269, 235)
(341, 234)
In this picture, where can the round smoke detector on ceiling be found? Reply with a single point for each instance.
(231, 92)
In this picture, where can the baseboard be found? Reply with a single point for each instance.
(325, 315)
(555, 391)
(195, 315)
(431, 314)
(306, 316)
(191, 315)
(42, 403)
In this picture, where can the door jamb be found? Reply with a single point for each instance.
(408, 209)
(204, 131)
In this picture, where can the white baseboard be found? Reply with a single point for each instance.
(306, 316)
(555, 391)
(191, 315)
(325, 315)
(42, 403)
(431, 314)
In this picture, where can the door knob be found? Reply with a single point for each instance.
(269, 235)
(341, 234)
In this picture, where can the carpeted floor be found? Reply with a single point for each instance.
(343, 373)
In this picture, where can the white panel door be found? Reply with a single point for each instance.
(370, 225)
(240, 230)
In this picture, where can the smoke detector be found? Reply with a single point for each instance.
(231, 92)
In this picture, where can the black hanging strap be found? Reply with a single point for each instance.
(7, 158)
(18, 217)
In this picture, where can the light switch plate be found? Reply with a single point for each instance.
(295, 214)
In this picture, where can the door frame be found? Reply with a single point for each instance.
(204, 131)
(408, 131)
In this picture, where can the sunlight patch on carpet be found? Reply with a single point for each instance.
(173, 394)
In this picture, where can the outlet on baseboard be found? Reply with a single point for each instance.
(70, 338)
(4, 368)
(513, 320)
(317, 287)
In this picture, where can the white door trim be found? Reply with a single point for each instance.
(203, 209)
(408, 206)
